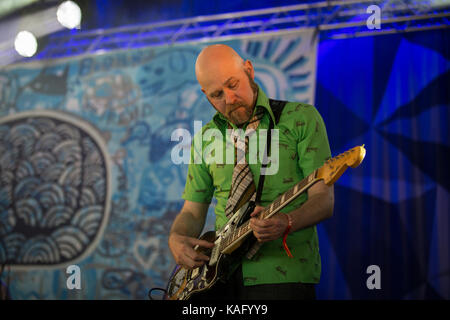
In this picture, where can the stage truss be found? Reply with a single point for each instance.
(333, 19)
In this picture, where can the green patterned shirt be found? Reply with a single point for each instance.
(303, 147)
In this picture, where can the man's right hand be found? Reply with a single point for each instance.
(182, 248)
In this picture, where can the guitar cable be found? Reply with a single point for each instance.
(165, 296)
(155, 289)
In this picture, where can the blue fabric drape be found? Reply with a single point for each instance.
(390, 93)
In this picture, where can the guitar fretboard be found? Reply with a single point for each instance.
(279, 203)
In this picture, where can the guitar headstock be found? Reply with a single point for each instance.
(333, 168)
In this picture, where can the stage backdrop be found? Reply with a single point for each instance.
(85, 158)
(392, 93)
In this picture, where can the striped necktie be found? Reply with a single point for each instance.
(242, 184)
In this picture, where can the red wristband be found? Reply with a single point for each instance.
(286, 232)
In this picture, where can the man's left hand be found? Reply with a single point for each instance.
(268, 229)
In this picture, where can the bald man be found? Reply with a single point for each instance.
(228, 83)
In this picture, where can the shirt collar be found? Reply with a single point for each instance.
(261, 102)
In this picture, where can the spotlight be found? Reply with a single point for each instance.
(25, 44)
(69, 14)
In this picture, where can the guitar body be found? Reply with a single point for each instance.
(185, 283)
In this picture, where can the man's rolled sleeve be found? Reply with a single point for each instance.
(199, 183)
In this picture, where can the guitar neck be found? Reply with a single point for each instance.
(283, 200)
(290, 195)
(331, 171)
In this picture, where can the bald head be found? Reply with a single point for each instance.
(216, 58)
(227, 81)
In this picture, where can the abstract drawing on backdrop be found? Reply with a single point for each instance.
(85, 168)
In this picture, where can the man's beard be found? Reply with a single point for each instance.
(240, 113)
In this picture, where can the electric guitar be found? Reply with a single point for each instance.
(186, 282)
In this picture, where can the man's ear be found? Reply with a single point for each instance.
(248, 66)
